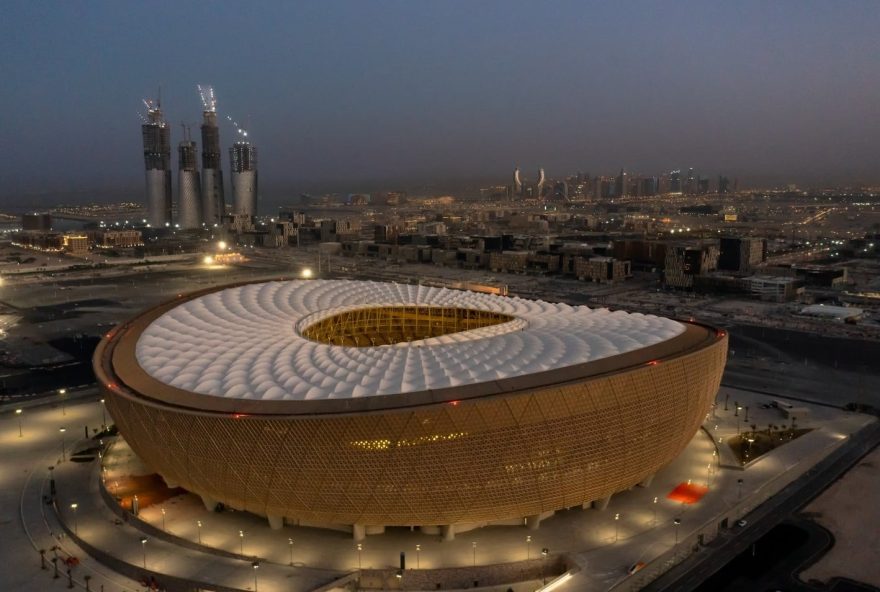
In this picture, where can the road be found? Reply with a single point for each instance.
(699, 567)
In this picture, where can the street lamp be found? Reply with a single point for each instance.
(655, 509)
(144, 547)
(18, 413)
(708, 474)
(199, 526)
(418, 552)
(676, 522)
(241, 541)
(360, 548)
(739, 484)
(544, 552)
(163, 518)
(306, 273)
(474, 546)
(528, 547)
(63, 450)
(103, 415)
(255, 565)
(61, 393)
(616, 526)
(290, 544)
(75, 529)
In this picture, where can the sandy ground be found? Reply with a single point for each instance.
(843, 510)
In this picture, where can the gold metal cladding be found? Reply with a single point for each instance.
(386, 325)
(533, 444)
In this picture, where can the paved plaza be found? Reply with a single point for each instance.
(597, 546)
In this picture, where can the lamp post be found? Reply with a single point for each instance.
(290, 545)
(747, 414)
(163, 518)
(63, 449)
(708, 474)
(544, 552)
(616, 526)
(676, 522)
(528, 547)
(255, 565)
(418, 552)
(61, 393)
(74, 507)
(241, 541)
(739, 484)
(726, 397)
(199, 526)
(103, 415)
(474, 546)
(144, 547)
(360, 549)
(655, 509)
(18, 414)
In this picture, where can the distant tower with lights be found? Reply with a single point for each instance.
(213, 200)
(517, 182)
(243, 161)
(189, 206)
(539, 185)
(157, 161)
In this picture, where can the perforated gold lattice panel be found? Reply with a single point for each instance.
(385, 325)
(473, 460)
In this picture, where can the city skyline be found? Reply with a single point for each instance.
(345, 96)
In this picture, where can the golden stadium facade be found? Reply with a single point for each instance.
(373, 404)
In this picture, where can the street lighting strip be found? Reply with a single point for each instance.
(24, 490)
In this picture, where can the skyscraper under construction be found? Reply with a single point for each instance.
(213, 201)
(189, 205)
(243, 160)
(157, 160)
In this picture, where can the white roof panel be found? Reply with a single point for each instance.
(244, 342)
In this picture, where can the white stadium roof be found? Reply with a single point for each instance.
(243, 342)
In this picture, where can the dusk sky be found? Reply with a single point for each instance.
(357, 95)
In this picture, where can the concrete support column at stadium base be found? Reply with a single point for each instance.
(210, 502)
(602, 503)
(276, 522)
(533, 522)
(448, 531)
(358, 532)
(646, 482)
(170, 483)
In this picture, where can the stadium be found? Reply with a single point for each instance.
(360, 405)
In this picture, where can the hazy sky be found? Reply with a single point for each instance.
(340, 93)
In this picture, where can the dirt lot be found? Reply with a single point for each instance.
(846, 511)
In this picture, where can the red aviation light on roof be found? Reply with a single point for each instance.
(653, 363)
(454, 403)
(239, 415)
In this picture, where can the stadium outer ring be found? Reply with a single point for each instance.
(508, 451)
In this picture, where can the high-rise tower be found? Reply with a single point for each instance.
(539, 186)
(243, 161)
(157, 161)
(189, 205)
(517, 182)
(213, 201)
